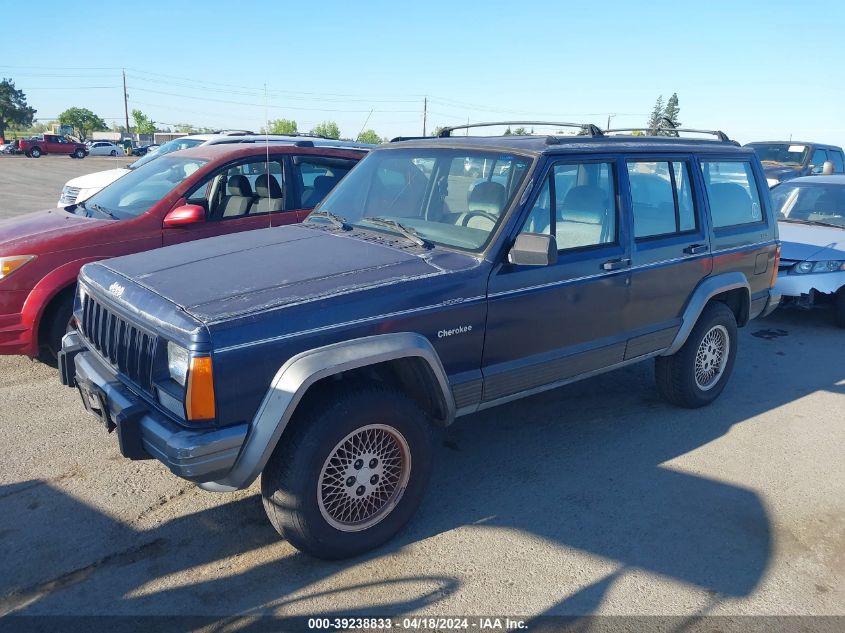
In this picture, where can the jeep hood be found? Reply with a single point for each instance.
(24, 234)
(234, 275)
(801, 242)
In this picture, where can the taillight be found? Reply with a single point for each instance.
(199, 394)
(774, 278)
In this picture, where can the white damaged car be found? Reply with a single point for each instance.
(811, 219)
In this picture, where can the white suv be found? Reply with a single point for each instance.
(83, 187)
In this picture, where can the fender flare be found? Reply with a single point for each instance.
(705, 291)
(47, 288)
(293, 379)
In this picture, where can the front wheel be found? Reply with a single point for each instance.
(59, 321)
(80, 153)
(350, 472)
(113, 153)
(697, 373)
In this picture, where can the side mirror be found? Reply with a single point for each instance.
(827, 168)
(533, 249)
(184, 215)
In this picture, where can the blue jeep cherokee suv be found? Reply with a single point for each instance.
(442, 276)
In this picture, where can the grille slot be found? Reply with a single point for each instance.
(127, 348)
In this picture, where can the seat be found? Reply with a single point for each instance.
(730, 204)
(239, 198)
(322, 186)
(269, 194)
(485, 197)
(582, 217)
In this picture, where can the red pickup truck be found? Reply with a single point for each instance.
(35, 146)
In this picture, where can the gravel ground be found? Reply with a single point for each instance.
(596, 498)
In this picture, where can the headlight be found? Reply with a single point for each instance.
(178, 359)
(772, 182)
(826, 266)
(8, 265)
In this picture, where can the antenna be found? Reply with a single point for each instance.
(367, 120)
(267, 157)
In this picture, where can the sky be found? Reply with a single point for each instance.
(759, 70)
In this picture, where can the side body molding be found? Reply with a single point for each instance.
(295, 377)
(705, 291)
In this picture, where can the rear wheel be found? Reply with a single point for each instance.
(113, 153)
(839, 308)
(350, 473)
(698, 372)
(57, 324)
(34, 152)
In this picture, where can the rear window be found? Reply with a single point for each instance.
(732, 192)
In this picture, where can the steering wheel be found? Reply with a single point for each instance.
(471, 214)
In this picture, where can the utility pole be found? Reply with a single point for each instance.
(609, 116)
(125, 103)
(425, 112)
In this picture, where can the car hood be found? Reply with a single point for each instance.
(98, 179)
(24, 234)
(229, 276)
(804, 241)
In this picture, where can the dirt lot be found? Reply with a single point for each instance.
(594, 498)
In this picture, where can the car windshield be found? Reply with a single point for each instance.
(171, 146)
(451, 197)
(810, 203)
(137, 191)
(784, 153)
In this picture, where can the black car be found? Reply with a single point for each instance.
(319, 356)
(784, 160)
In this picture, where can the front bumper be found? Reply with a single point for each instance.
(16, 336)
(142, 431)
(796, 285)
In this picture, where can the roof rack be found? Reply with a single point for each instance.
(653, 131)
(587, 129)
(397, 139)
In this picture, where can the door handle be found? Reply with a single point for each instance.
(696, 249)
(616, 264)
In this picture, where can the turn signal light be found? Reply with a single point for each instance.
(199, 396)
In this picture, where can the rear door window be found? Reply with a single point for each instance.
(661, 197)
(836, 157)
(318, 176)
(732, 191)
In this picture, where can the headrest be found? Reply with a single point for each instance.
(487, 196)
(239, 186)
(266, 186)
(324, 183)
(585, 203)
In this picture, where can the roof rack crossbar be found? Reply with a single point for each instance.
(588, 128)
(653, 131)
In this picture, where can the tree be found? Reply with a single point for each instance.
(143, 124)
(438, 130)
(369, 136)
(520, 131)
(508, 131)
(656, 116)
(13, 107)
(671, 113)
(83, 122)
(280, 126)
(327, 129)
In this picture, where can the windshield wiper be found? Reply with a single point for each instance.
(407, 231)
(814, 222)
(335, 219)
(103, 210)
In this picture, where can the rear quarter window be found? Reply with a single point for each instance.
(732, 192)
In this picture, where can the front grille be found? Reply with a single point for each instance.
(69, 195)
(127, 348)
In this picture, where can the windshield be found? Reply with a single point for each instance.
(451, 197)
(810, 203)
(171, 146)
(137, 191)
(785, 153)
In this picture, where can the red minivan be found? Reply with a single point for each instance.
(187, 195)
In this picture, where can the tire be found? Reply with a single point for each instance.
(35, 152)
(57, 324)
(113, 153)
(312, 520)
(676, 375)
(80, 153)
(839, 308)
